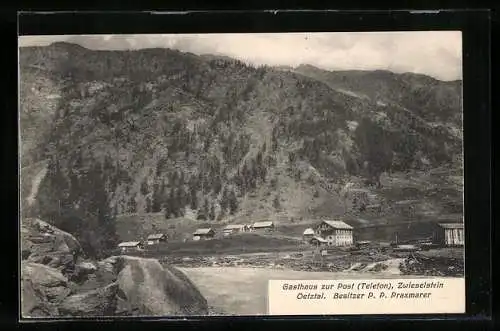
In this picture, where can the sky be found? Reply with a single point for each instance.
(434, 53)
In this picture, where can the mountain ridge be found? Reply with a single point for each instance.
(161, 130)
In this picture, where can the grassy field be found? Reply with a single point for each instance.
(235, 244)
(243, 291)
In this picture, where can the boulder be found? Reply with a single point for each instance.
(99, 302)
(83, 270)
(34, 303)
(42, 290)
(86, 267)
(43, 243)
(150, 289)
(57, 280)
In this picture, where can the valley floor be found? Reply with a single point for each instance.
(237, 284)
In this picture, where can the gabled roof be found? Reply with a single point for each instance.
(451, 225)
(338, 225)
(308, 231)
(156, 236)
(263, 224)
(321, 240)
(203, 231)
(234, 226)
(129, 244)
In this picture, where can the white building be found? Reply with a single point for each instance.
(336, 233)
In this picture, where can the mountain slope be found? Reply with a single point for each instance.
(212, 138)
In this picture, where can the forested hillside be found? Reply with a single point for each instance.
(210, 138)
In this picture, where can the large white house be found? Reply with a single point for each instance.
(336, 233)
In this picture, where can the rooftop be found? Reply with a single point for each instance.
(203, 231)
(233, 226)
(308, 231)
(452, 225)
(129, 244)
(321, 240)
(262, 224)
(156, 236)
(338, 225)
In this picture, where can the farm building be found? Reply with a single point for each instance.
(336, 233)
(449, 234)
(234, 228)
(154, 239)
(263, 226)
(308, 234)
(130, 246)
(318, 241)
(207, 233)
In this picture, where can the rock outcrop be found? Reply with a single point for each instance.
(154, 290)
(45, 244)
(57, 281)
(99, 302)
(43, 288)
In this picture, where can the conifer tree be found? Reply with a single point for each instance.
(157, 199)
(132, 205)
(171, 201)
(149, 205)
(144, 187)
(233, 202)
(180, 199)
(211, 214)
(206, 208)
(224, 202)
(193, 198)
(276, 202)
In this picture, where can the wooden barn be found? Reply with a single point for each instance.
(449, 234)
(336, 233)
(130, 246)
(234, 228)
(263, 226)
(203, 234)
(155, 239)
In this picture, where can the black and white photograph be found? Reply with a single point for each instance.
(178, 174)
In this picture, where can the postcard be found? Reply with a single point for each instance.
(241, 174)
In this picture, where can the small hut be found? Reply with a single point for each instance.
(154, 239)
(130, 246)
(308, 234)
(204, 234)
